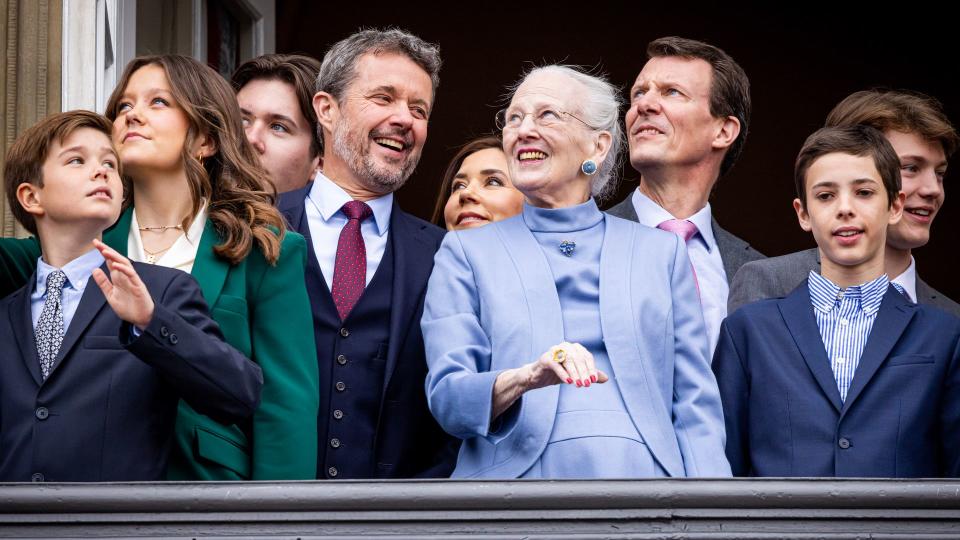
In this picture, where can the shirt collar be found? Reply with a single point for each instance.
(652, 214)
(78, 271)
(328, 198)
(908, 280)
(826, 295)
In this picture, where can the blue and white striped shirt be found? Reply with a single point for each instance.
(845, 318)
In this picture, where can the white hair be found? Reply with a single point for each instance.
(600, 110)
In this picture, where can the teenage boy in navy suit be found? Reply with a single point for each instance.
(89, 392)
(844, 376)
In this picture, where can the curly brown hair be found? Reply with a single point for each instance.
(238, 189)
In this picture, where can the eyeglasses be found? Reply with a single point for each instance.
(510, 119)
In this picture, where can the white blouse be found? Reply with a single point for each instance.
(181, 254)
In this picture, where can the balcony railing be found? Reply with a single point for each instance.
(698, 509)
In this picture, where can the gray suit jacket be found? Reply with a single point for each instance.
(777, 276)
(733, 251)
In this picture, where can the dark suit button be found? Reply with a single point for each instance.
(844, 443)
(36, 477)
(344, 332)
(341, 386)
(338, 414)
(335, 442)
(42, 413)
(332, 472)
(173, 339)
(164, 332)
(341, 359)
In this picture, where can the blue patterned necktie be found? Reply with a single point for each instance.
(49, 330)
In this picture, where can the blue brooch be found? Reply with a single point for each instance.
(567, 246)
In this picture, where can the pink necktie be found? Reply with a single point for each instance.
(350, 268)
(684, 229)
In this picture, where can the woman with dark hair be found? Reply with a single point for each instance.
(198, 200)
(476, 188)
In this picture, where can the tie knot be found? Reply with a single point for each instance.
(685, 229)
(356, 210)
(55, 282)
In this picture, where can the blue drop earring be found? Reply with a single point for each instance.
(589, 167)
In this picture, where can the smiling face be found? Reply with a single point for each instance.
(669, 122)
(847, 210)
(150, 128)
(922, 168)
(379, 126)
(81, 185)
(278, 131)
(546, 148)
(481, 192)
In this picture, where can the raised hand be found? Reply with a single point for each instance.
(124, 290)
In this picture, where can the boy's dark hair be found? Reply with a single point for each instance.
(298, 71)
(24, 160)
(858, 140)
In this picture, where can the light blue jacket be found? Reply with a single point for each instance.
(492, 305)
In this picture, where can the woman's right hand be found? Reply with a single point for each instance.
(569, 363)
(577, 367)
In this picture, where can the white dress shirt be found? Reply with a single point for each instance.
(326, 220)
(181, 254)
(908, 280)
(705, 257)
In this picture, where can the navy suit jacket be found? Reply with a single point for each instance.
(409, 441)
(106, 411)
(782, 408)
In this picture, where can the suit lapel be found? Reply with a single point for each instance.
(90, 304)
(892, 319)
(925, 293)
(797, 313)
(117, 235)
(412, 262)
(732, 250)
(210, 270)
(624, 209)
(632, 371)
(539, 293)
(21, 320)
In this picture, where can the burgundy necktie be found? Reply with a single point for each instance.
(685, 230)
(350, 269)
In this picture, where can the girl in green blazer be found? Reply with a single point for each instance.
(198, 200)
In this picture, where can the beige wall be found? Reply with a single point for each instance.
(29, 74)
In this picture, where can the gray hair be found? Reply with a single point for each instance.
(600, 110)
(338, 69)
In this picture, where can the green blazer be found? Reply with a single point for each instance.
(264, 312)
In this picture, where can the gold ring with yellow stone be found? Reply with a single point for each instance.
(559, 355)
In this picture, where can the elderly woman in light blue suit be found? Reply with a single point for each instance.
(563, 342)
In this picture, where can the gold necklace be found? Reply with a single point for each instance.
(154, 256)
(161, 228)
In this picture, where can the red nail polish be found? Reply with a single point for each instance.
(593, 378)
(586, 383)
(579, 383)
(569, 380)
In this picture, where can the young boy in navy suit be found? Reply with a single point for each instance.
(844, 376)
(90, 375)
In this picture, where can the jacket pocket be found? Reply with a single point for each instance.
(102, 342)
(223, 451)
(907, 359)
